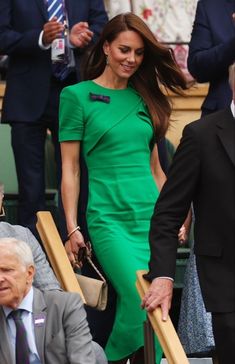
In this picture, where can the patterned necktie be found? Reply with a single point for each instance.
(21, 346)
(55, 8)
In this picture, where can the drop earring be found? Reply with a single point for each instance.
(107, 60)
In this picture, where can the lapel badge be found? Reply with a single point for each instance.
(39, 319)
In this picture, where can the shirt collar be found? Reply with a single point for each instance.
(26, 304)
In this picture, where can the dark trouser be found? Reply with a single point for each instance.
(224, 334)
(28, 143)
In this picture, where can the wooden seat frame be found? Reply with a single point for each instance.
(56, 253)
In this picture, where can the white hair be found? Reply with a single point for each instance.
(18, 248)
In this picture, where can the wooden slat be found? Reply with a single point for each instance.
(56, 253)
(165, 331)
(2, 88)
(2, 91)
(199, 89)
(187, 103)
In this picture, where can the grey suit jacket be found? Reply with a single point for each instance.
(63, 338)
(44, 278)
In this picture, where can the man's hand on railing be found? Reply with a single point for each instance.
(159, 295)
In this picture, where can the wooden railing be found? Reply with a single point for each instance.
(164, 330)
(56, 253)
(185, 109)
(2, 91)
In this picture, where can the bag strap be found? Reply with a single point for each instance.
(96, 269)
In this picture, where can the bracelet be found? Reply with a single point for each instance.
(73, 231)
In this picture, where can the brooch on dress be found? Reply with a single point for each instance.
(103, 98)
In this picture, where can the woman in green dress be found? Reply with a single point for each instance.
(117, 116)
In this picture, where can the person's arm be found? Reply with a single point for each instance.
(70, 188)
(157, 172)
(51, 30)
(97, 18)
(88, 32)
(210, 51)
(169, 214)
(185, 229)
(13, 40)
(160, 179)
(80, 35)
(77, 334)
(159, 295)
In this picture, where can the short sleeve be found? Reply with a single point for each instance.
(71, 119)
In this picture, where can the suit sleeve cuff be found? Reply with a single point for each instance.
(40, 43)
(170, 279)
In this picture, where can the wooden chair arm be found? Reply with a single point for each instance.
(56, 253)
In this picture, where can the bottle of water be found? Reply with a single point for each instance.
(60, 49)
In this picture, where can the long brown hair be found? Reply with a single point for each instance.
(158, 68)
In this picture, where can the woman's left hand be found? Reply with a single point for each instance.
(182, 235)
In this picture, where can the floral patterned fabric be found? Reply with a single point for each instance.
(195, 326)
(114, 7)
(170, 20)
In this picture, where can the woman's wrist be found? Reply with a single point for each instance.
(73, 231)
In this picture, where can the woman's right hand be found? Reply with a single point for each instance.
(72, 246)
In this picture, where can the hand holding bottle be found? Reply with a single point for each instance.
(51, 31)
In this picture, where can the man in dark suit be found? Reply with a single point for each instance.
(202, 172)
(32, 91)
(53, 326)
(212, 50)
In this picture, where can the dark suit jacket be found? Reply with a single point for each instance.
(202, 172)
(212, 50)
(29, 71)
(63, 337)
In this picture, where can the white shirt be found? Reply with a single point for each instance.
(27, 317)
(233, 108)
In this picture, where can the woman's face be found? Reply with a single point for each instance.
(125, 54)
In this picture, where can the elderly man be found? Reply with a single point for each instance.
(44, 278)
(36, 326)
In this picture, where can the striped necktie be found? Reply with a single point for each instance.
(55, 8)
(21, 346)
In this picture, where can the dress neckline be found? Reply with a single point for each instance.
(109, 89)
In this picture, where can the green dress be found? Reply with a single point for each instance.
(117, 139)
